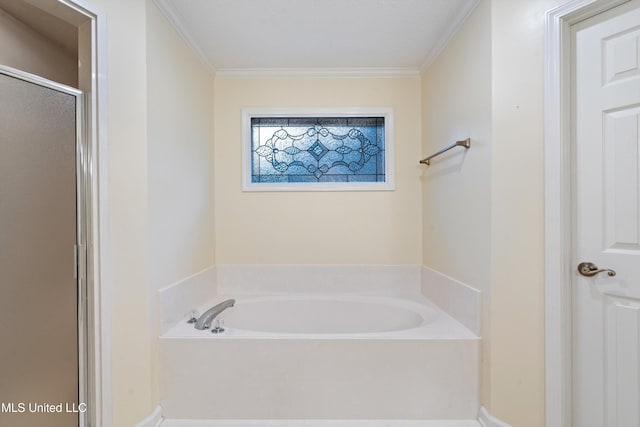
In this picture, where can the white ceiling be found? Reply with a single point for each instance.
(240, 35)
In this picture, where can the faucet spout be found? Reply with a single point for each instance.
(204, 321)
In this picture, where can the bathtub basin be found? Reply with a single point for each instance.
(324, 315)
(330, 317)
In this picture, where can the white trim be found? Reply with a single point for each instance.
(313, 73)
(558, 329)
(458, 22)
(103, 267)
(101, 396)
(100, 210)
(316, 423)
(487, 420)
(152, 420)
(172, 15)
(387, 113)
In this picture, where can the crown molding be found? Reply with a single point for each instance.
(288, 73)
(172, 15)
(458, 21)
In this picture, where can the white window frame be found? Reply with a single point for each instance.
(387, 113)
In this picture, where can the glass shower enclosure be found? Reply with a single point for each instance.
(42, 288)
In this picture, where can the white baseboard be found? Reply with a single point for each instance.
(487, 420)
(319, 423)
(457, 299)
(318, 279)
(153, 420)
(176, 300)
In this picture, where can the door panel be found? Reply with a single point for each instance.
(606, 147)
(621, 185)
(622, 359)
(39, 301)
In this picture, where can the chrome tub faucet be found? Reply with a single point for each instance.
(204, 321)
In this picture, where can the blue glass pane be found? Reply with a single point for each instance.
(334, 178)
(321, 149)
(302, 178)
(366, 178)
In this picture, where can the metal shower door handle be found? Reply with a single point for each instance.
(589, 269)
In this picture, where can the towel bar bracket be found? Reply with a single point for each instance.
(466, 143)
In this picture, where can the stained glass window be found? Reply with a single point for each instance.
(343, 152)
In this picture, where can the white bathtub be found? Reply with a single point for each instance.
(322, 357)
(331, 317)
(326, 315)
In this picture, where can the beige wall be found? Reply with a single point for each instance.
(128, 191)
(456, 187)
(128, 209)
(180, 155)
(382, 227)
(180, 162)
(24, 49)
(512, 210)
(456, 205)
(517, 244)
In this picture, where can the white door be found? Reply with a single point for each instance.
(606, 147)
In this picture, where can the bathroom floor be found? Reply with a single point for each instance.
(318, 423)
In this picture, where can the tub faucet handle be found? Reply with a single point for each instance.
(218, 326)
(193, 316)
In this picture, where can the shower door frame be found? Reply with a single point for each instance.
(83, 221)
(98, 255)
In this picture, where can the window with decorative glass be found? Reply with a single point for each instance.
(317, 150)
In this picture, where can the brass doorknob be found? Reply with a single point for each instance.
(589, 269)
